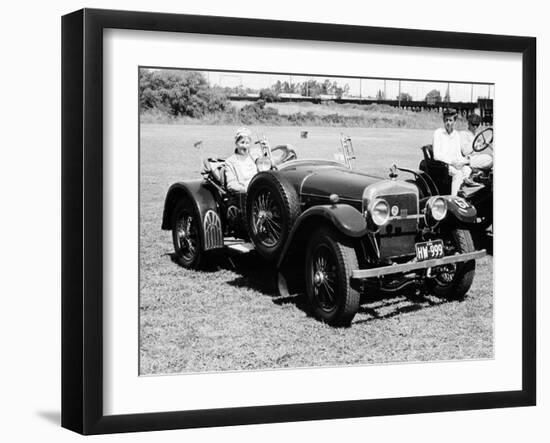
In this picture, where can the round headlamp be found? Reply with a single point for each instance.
(263, 164)
(436, 210)
(379, 211)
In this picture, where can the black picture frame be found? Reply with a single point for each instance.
(82, 218)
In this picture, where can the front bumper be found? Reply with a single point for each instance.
(360, 274)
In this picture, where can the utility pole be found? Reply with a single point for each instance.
(399, 94)
(385, 90)
(472, 93)
(360, 92)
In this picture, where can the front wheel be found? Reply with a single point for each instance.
(454, 281)
(330, 260)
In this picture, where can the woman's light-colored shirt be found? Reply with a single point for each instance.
(239, 171)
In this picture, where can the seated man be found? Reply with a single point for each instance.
(446, 148)
(241, 166)
(478, 160)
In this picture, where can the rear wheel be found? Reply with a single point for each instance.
(186, 235)
(330, 260)
(454, 281)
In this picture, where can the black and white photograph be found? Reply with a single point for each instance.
(273, 222)
(263, 228)
(309, 221)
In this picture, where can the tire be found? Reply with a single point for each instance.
(455, 284)
(330, 260)
(272, 206)
(186, 235)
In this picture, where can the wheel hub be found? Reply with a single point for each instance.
(319, 278)
(263, 217)
(184, 236)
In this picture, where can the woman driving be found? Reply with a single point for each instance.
(241, 166)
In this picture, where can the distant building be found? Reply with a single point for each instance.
(431, 99)
(290, 95)
(327, 97)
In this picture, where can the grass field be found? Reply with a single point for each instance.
(231, 318)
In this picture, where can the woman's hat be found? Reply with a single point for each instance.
(242, 132)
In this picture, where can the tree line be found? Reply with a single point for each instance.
(188, 93)
(179, 93)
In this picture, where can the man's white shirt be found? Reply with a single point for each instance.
(446, 146)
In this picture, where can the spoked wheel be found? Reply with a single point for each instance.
(454, 280)
(267, 221)
(186, 236)
(324, 278)
(330, 261)
(272, 206)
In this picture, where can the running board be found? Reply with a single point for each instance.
(407, 267)
(240, 248)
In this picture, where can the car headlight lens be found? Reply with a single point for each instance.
(379, 211)
(436, 210)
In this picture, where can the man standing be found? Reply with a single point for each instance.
(446, 147)
(481, 160)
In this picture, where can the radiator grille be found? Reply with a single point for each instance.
(397, 237)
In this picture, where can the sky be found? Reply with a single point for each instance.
(357, 87)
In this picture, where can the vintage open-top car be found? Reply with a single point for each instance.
(330, 231)
(479, 193)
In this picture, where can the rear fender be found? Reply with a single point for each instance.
(344, 218)
(204, 201)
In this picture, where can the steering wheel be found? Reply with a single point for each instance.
(282, 153)
(279, 154)
(483, 140)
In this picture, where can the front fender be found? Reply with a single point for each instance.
(344, 218)
(460, 209)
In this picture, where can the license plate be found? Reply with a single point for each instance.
(428, 250)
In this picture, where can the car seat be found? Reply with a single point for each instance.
(437, 170)
(214, 170)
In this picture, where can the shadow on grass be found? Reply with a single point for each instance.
(261, 276)
(256, 274)
(211, 265)
(298, 300)
(382, 306)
